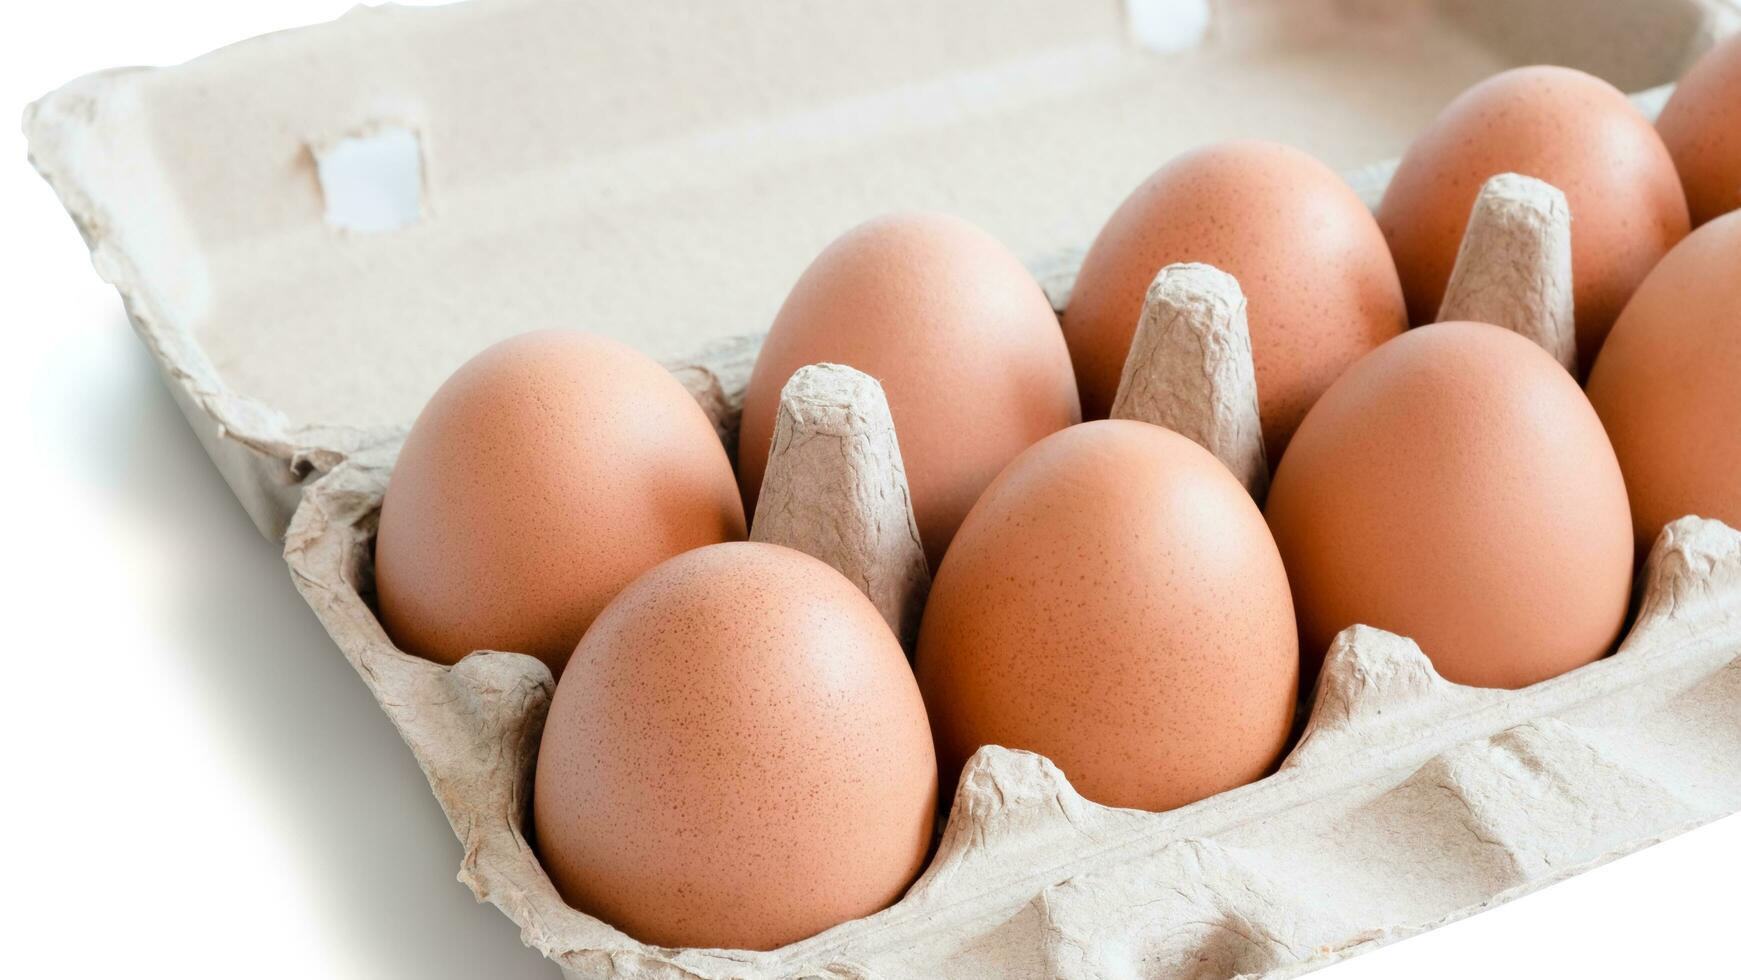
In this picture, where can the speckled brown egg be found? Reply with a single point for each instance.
(1115, 603)
(962, 338)
(1320, 286)
(1455, 486)
(1574, 131)
(736, 757)
(1668, 384)
(543, 476)
(1701, 126)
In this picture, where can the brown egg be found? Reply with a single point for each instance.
(1319, 284)
(1454, 486)
(1701, 126)
(1115, 603)
(1668, 384)
(1570, 129)
(736, 757)
(958, 332)
(542, 477)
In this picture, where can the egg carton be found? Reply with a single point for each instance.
(504, 150)
(1408, 801)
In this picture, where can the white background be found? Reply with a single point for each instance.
(196, 785)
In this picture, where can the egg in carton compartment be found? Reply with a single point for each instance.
(1407, 802)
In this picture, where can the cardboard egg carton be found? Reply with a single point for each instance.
(311, 230)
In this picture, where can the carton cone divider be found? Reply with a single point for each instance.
(1190, 369)
(1514, 266)
(836, 489)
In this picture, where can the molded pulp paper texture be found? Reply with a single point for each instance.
(299, 353)
(1192, 349)
(836, 488)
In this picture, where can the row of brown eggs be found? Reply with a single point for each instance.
(738, 753)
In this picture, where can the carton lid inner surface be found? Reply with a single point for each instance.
(663, 174)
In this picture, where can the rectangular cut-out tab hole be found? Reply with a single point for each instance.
(374, 182)
(1166, 26)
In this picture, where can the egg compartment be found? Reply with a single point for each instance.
(1409, 801)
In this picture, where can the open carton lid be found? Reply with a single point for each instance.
(312, 229)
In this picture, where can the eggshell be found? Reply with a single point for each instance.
(1574, 131)
(736, 757)
(1668, 384)
(1115, 603)
(543, 476)
(1701, 126)
(1320, 286)
(1454, 486)
(959, 334)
